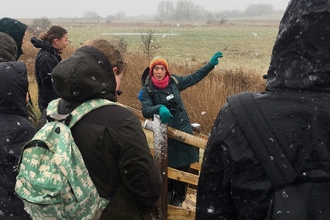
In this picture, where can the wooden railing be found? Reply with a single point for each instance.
(159, 133)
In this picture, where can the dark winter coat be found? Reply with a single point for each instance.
(296, 106)
(15, 131)
(47, 58)
(16, 30)
(179, 154)
(111, 138)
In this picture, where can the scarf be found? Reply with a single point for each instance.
(161, 84)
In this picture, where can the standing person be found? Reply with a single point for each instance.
(15, 127)
(111, 139)
(161, 95)
(234, 183)
(16, 30)
(52, 44)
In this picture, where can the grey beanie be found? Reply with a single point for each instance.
(8, 48)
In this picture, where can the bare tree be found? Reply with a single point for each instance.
(149, 46)
(91, 15)
(164, 10)
(40, 25)
(259, 9)
(184, 10)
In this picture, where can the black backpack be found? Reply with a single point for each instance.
(292, 200)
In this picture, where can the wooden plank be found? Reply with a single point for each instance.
(196, 166)
(197, 140)
(191, 191)
(177, 213)
(186, 138)
(182, 176)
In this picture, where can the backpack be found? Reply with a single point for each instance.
(52, 179)
(293, 198)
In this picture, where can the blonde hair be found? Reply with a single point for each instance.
(110, 51)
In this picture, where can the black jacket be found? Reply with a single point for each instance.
(296, 106)
(15, 131)
(111, 138)
(47, 58)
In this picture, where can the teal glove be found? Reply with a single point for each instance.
(164, 114)
(214, 60)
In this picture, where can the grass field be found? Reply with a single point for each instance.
(246, 48)
(242, 45)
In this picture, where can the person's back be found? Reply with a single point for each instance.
(15, 127)
(51, 44)
(295, 106)
(111, 138)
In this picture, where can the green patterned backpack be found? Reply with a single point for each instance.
(53, 181)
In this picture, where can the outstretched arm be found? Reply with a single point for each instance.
(194, 78)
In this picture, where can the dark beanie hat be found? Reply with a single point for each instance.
(16, 30)
(8, 48)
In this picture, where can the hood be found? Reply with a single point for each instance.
(16, 30)
(301, 54)
(43, 45)
(8, 50)
(85, 75)
(13, 88)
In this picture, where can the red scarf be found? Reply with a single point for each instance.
(161, 84)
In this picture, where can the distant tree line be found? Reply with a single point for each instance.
(94, 16)
(187, 10)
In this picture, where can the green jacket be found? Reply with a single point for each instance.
(179, 154)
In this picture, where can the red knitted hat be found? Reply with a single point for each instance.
(158, 61)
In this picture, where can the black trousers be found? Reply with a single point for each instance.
(178, 188)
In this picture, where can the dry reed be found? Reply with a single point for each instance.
(203, 101)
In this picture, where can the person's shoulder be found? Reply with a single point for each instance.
(17, 124)
(46, 55)
(175, 78)
(16, 69)
(110, 115)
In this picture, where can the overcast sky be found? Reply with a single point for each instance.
(76, 8)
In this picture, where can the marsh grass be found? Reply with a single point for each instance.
(246, 58)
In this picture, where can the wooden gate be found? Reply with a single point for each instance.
(157, 134)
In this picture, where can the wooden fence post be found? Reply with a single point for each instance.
(161, 158)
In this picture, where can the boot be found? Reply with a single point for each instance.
(177, 202)
(170, 197)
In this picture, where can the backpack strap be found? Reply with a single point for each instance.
(262, 140)
(176, 81)
(87, 107)
(152, 93)
(79, 112)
